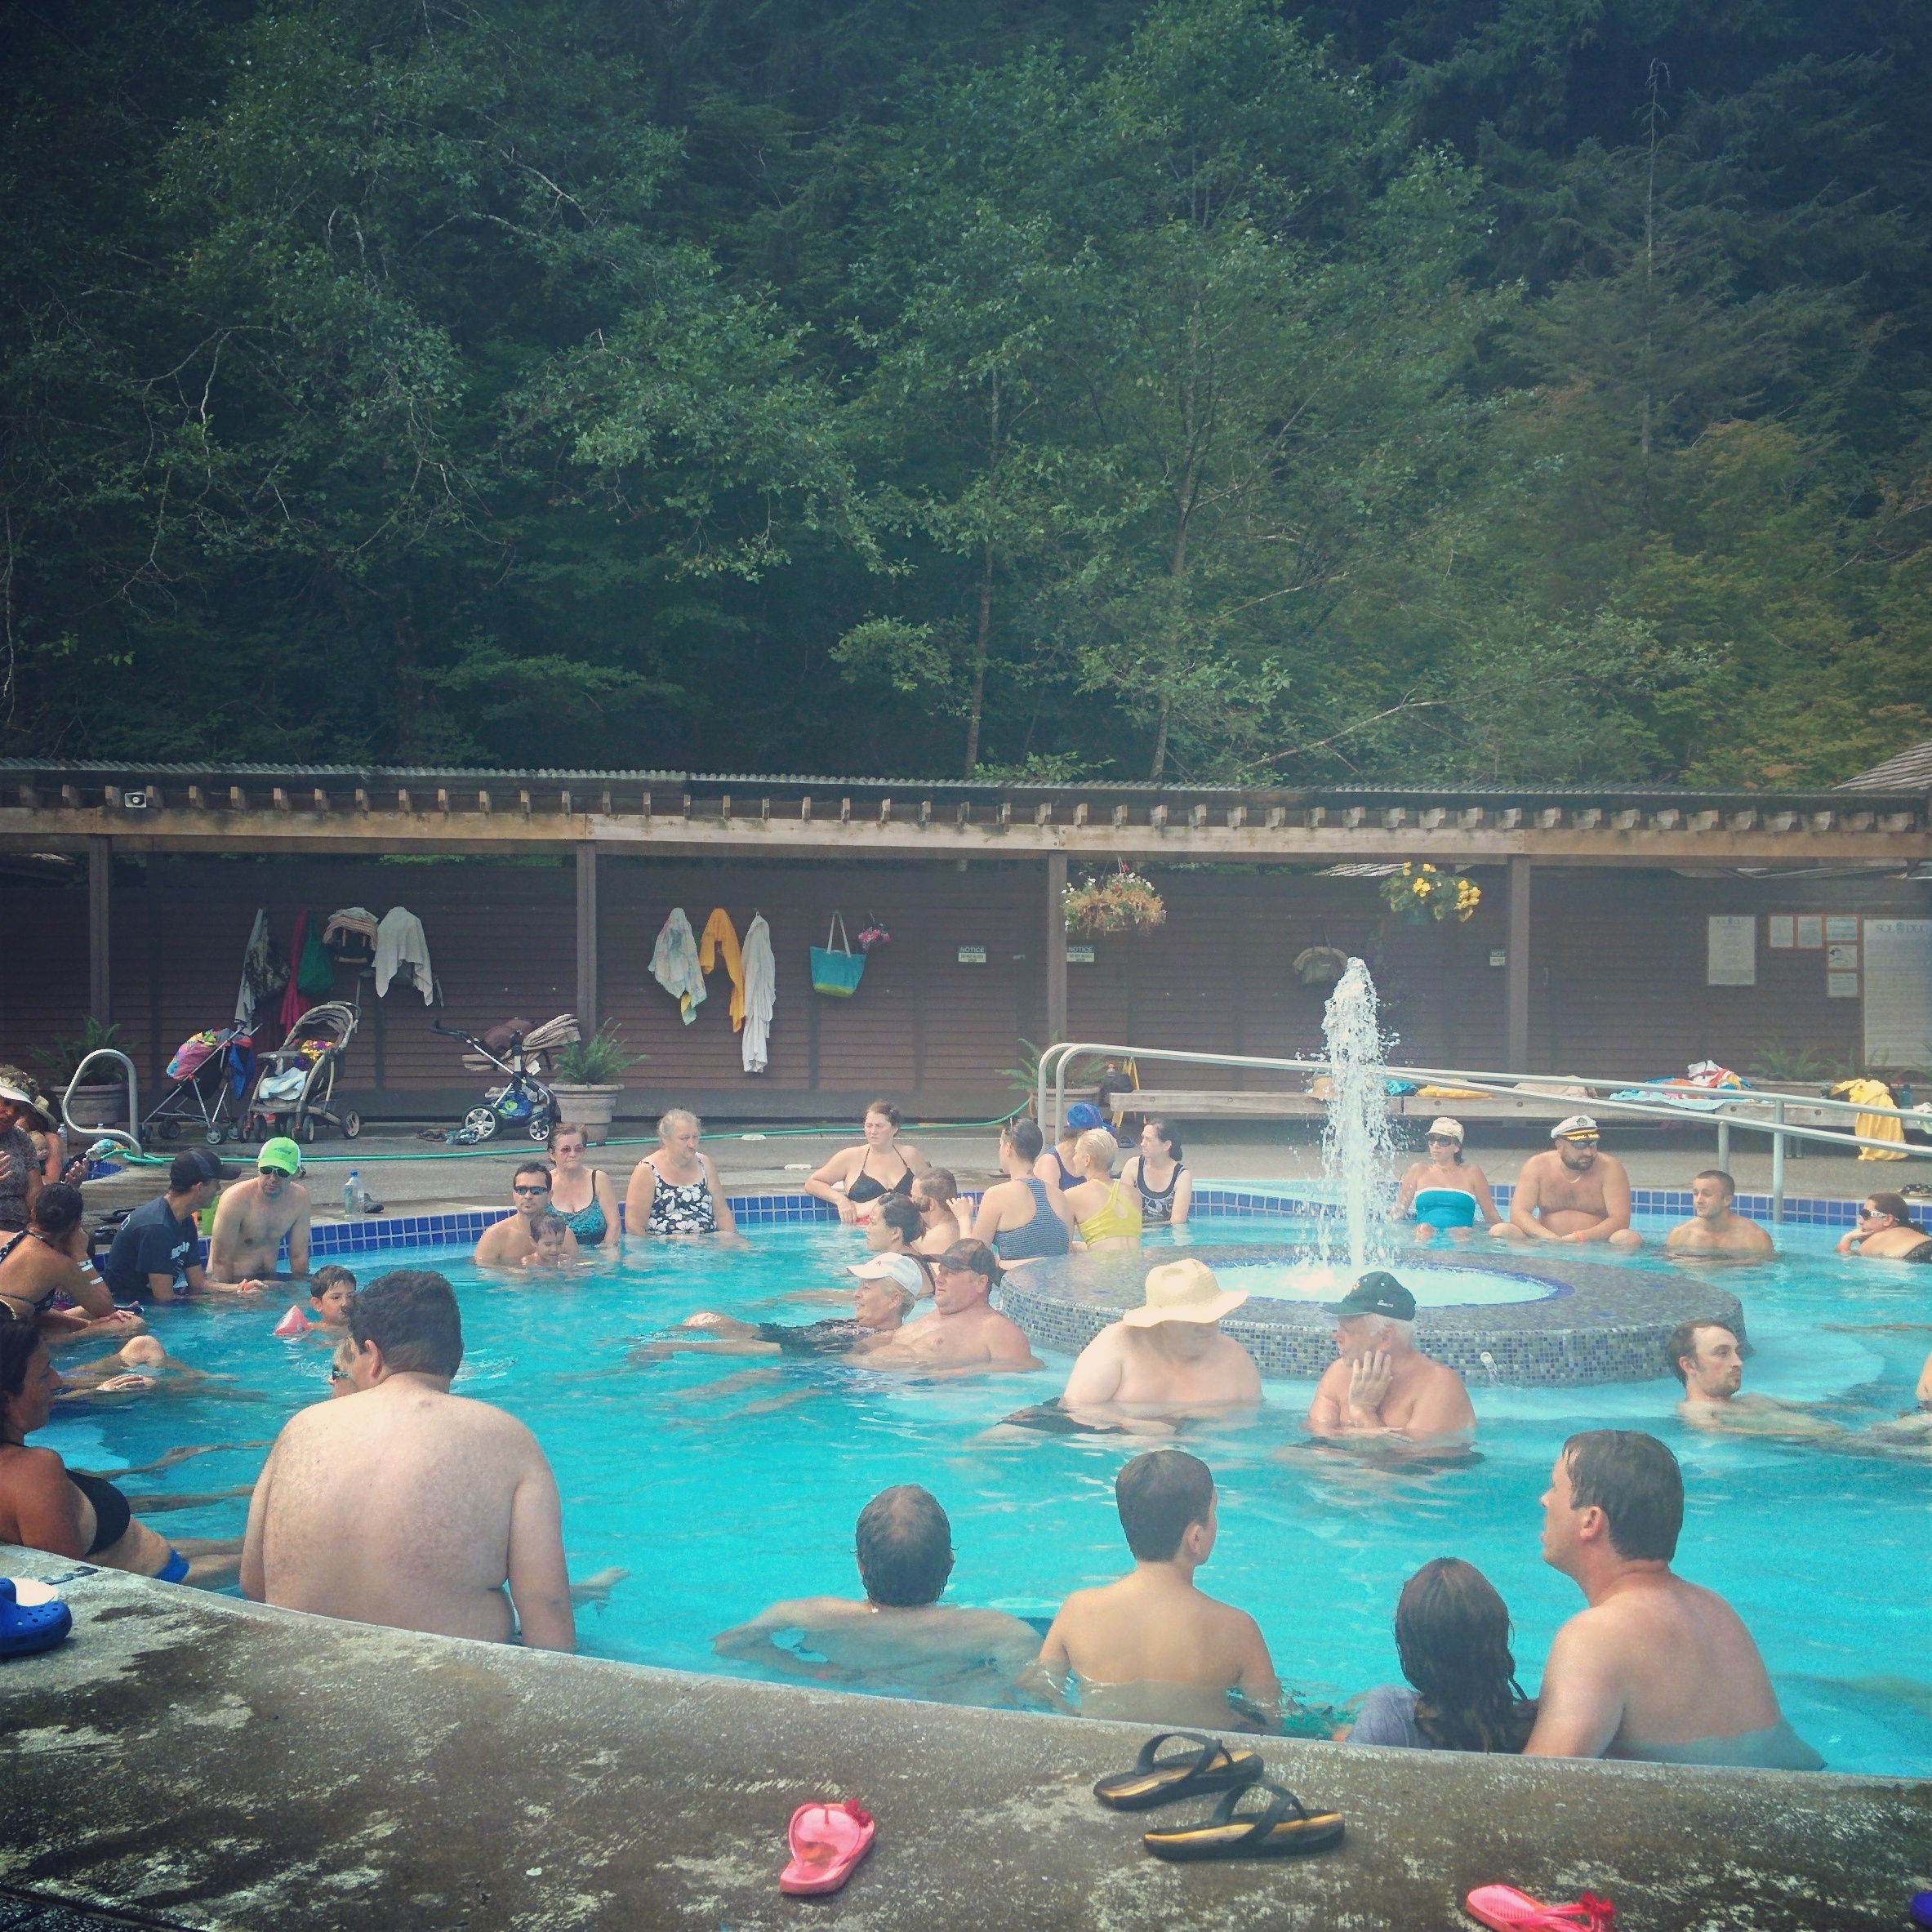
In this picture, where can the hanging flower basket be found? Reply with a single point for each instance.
(1419, 894)
(1120, 901)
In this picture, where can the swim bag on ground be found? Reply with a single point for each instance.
(836, 974)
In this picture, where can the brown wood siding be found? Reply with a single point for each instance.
(1617, 971)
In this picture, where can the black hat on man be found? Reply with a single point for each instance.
(1377, 1293)
(197, 1165)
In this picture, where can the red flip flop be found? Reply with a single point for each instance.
(827, 1842)
(1503, 1908)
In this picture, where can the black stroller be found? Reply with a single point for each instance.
(516, 1050)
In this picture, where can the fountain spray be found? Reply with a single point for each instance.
(1356, 1146)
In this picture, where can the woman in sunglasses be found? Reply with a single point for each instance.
(513, 1239)
(1886, 1231)
(1444, 1195)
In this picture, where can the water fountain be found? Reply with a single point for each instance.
(1357, 1147)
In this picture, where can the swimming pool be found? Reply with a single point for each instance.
(722, 1484)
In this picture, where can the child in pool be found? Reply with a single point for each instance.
(550, 1232)
(329, 1291)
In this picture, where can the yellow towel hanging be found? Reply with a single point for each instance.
(719, 933)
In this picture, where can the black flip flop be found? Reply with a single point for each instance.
(1286, 1829)
(1153, 1781)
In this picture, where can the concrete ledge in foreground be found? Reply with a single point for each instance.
(202, 1762)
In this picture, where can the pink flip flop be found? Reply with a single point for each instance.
(1503, 1908)
(827, 1842)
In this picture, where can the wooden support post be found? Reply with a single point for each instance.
(587, 936)
(1517, 1053)
(1057, 946)
(100, 890)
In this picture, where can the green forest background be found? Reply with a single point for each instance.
(1528, 389)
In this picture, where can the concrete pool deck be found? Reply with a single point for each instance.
(188, 1760)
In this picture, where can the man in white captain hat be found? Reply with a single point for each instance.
(1573, 1193)
(1168, 1356)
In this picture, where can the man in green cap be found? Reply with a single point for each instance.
(1378, 1384)
(255, 1215)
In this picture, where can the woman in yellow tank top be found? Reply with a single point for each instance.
(1106, 1214)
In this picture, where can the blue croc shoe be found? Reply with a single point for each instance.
(25, 1628)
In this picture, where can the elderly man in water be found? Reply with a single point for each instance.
(1715, 1227)
(901, 1635)
(963, 1335)
(1574, 1193)
(405, 1505)
(1379, 1384)
(1167, 1357)
(1655, 1668)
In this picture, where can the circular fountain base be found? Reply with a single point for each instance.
(1577, 1321)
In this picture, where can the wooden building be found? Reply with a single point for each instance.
(1620, 931)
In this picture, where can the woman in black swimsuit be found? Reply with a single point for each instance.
(881, 1165)
(45, 1506)
(1164, 1186)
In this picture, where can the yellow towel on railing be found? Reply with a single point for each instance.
(720, 932)
(1875, 1127)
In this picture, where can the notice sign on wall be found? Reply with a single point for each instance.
(1781, 931)
(1898, 992)
(1732, 960)
(972, 955)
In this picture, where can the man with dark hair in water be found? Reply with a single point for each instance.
(1655, 1668)
(1151, 1647)
(405, 1505)
(901, 1634)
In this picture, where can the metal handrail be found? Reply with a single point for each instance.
(130, 1140)
(1061, 1055)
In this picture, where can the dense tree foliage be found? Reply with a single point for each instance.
(1211, 389)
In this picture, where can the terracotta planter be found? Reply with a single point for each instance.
(592, 1107)
(97, 1106)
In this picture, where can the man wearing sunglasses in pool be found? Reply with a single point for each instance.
(1573, 1193)
(510, 1242)
(254, 1216)
(962, 1336)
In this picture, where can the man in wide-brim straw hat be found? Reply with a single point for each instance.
(1168, 1356)
(21, 1107)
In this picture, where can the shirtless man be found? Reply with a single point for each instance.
(933, 1194)
(1379, 1385)
(1886, 1231)
(901, 1635)
(1714, 1228)
(405, 1505)
(1573, 1193)
(962, 1336)
(1169, 1356)
(1707, 1359)
(1656, 1668)
(512, 1241)
(255, 1215)
(50, 1257)
(1151, 1647)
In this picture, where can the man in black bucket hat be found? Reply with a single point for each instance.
(1379, 1385)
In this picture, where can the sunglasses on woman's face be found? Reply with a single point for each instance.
(1873, 1214)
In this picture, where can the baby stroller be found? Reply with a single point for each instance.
(515, 1050)
(294, 1085)
(209, 1074)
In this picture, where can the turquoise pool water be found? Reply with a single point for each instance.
(722, 1484)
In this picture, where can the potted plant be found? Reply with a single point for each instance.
(1419, 893)
(1118, 901)
(587, 1077)
(103, 1102)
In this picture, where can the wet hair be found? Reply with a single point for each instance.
(1166, 1133)
(411, 1316)
(937, 1184)
(56, 1208)
(1718, 1175)
(1452, 1633)
(18, 1340)
(902, 1216)
(884, 1108)
(564, 1126)
(533, 1167)
(1898, 1206)
(1096, 1144)
(1635, 1480)
(904, 1547)
(1024, 1137)
(333, 1275)
(548, 1222)
(972, 1258)
(1683, 1341)
(1161, 1496)
(674, 1114)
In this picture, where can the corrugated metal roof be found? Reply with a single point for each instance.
(1910, 771)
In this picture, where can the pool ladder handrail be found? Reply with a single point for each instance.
(130, 1141)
